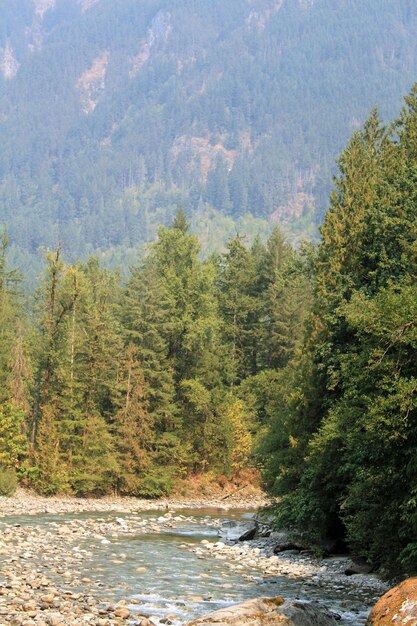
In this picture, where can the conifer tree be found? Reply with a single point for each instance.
(238, 306)
(146, 316)
(77, 350)
(52, 475)
(20, 375)
(132, 426)
(14, 377)
(172, 316)
(339, 269)
(13, 441)
(92, 353)
(10, 313)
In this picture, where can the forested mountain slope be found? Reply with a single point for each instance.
(112, 114)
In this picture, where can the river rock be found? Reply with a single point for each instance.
(122, 612)
(268, 612)
(238, 531)
(397, 607)
(358, 566)
(48, 598)
(284, 542)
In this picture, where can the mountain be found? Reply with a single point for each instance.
(112, 114)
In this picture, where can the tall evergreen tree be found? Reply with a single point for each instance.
(10, 314)
(239, 307)
(133, 427)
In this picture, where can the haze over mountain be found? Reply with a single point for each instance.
(112, 114)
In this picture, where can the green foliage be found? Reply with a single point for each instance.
(340, 448)
(133, 428)
(13, 441)
(51, 476)
(239, 307)
(241, 439)
(155, 483)
(309, 355)
(94, 465)
(10, 309)
(125, 390)
(8, 481)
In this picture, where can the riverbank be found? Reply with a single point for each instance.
(48, 576)
(26, 502)
(314, 574)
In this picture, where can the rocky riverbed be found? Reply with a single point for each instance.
(104, 568)
(314, 575)
(29, 503)
(42, 581)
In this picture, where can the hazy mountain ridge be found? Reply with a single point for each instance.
(111, 114)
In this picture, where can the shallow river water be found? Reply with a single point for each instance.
(159, 574)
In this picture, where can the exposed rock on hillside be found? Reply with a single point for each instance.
(86, 4)
(92, 82)
(158, 32)
(8, 62)
(41, 6)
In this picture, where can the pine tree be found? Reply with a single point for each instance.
(146, 317)
(13, 441)
(312, 442)
(20, 375)
(54, 303)
(171, 313)
(239, 307)
(10, 314)
(14, 376)
(92, 354)
(51, 474)
(79, 342)
(132, 426)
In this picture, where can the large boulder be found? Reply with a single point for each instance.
(269, 612)
(397, 607)
(358, 566)
(284, 542)
(238, 531)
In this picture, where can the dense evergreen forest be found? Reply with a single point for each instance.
(114, 114)
(300, 362)
(342, 437)
(107, 387)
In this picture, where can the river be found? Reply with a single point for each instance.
(157, 565)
